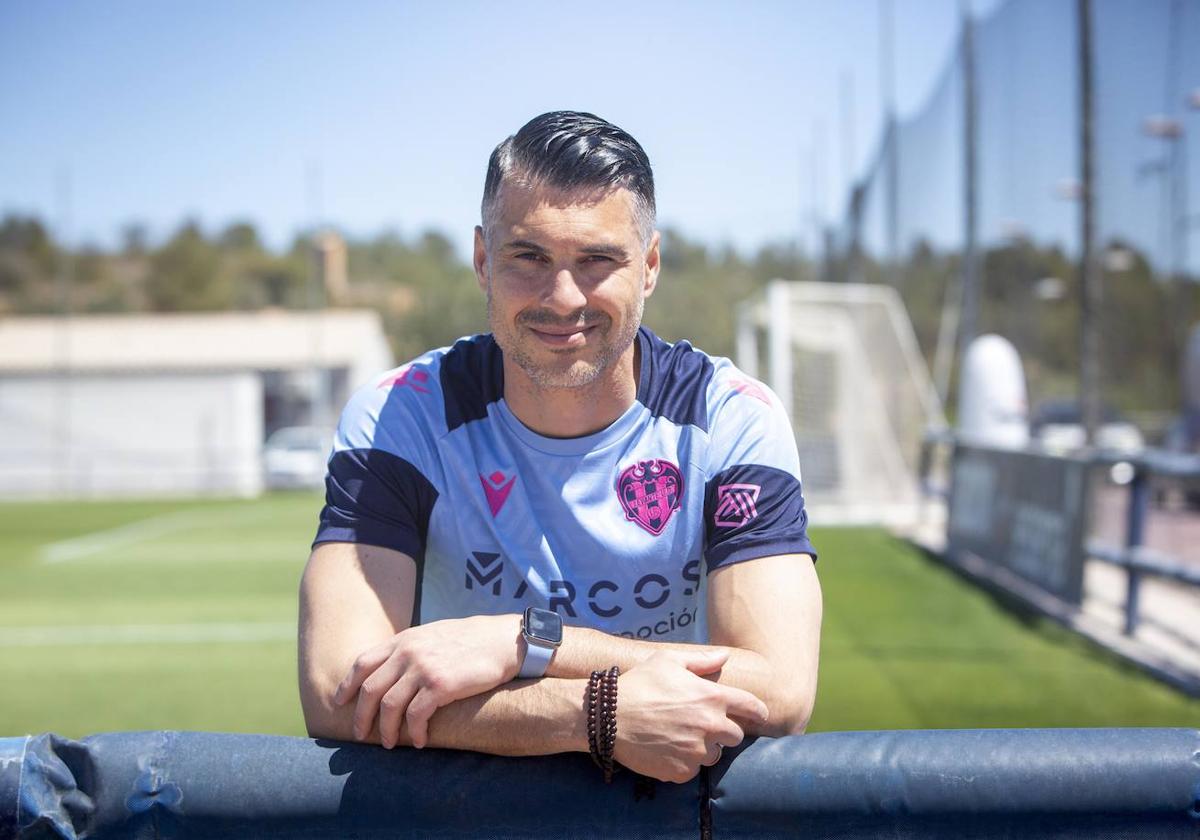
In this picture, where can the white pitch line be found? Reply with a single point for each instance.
(140, 531)
(145, 634)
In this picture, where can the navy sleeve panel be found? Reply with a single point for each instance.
(376, 498)
(472, 377)
(753, 511)
(673, 382)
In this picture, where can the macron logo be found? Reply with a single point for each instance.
(750, 388)
(496, 487)
(407, 377)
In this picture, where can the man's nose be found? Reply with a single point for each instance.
(564, 294)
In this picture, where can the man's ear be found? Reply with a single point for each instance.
(480, 259)
(653, 263)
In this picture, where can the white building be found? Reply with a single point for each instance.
(137, 405)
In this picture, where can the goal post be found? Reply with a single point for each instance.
(844, 360)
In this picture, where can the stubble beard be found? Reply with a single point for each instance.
(572, 371)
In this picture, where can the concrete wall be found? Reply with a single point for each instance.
(132, 434)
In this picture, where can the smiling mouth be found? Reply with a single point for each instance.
(562, 336)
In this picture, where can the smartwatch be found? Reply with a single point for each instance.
(543, 632)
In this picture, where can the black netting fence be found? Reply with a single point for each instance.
(906, 220)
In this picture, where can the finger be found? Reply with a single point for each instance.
(363, 667)
(729, 734)
(745, 705)
(420, 710)
(706, 660)
(374, 687)
(391, 710)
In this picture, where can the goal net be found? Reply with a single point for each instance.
(844, 359)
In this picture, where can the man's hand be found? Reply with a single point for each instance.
(421, 669)
(670, 720)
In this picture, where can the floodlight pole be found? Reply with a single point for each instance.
(846, 107)
(1090, 296)
(969, 302)
(319, 395)
(891, 133)
(818, 257)
(63, 282)
(1177, 178)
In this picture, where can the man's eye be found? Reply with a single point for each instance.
(528, 255)
(598, 258)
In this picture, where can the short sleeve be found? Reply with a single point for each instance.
(753, 499)
(377, 490)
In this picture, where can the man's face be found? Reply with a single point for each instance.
(566, 275)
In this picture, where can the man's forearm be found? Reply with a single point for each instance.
(584, 650)
(521, 718)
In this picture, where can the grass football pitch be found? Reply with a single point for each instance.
(181, 615)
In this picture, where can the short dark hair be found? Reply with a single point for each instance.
(571, 150)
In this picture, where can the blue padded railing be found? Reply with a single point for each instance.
(968, 783)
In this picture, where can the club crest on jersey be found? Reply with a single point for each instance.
(650, 491)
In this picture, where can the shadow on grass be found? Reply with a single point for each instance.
(1048, 626)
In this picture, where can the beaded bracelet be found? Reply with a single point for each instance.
(609, 721)
(602, 718)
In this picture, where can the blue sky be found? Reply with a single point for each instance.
(222, 110)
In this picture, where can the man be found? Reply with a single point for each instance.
(646, 494)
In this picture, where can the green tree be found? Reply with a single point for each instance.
(29, 261)
(185, 275)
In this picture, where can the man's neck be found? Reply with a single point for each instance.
(573, 412)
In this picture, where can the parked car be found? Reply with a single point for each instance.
(1057, 427)
(294, 457)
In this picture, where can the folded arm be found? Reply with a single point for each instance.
(766, 612)
(357, 599)
(451, 682)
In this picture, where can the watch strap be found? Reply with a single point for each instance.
(537, 660)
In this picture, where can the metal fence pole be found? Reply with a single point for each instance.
(1139, 501)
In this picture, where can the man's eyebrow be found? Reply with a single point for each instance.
(614, 251)
(524, 245)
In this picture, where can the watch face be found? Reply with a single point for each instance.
(543, 625)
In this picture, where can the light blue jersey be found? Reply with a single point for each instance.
(617, 530)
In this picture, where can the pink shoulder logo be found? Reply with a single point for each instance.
(751, 389)
(408, 377)
(736, 505)
(649, 492)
